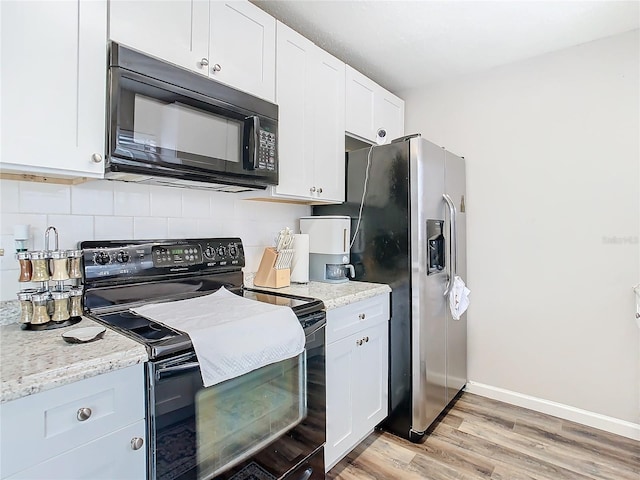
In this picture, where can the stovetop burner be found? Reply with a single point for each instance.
(120, 275)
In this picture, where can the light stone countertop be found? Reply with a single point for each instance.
(35, 361)
(333, 295)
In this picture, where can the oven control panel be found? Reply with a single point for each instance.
(134, 260)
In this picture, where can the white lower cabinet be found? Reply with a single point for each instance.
(93, 428)
(357, 374)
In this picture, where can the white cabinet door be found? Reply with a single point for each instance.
(310, 96)
(369, 107)
(360, 104)
(389, 114)
(373, 392)
(53, 87)
(242, 47)
(110, 457)
(341, 401)
(328, 91)
(174, 30)
(295, 113)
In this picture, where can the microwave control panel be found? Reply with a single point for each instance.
(267, 151)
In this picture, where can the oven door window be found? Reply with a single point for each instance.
(239, 417)
(160, 126)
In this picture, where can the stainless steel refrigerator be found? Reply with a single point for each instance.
(409, 232)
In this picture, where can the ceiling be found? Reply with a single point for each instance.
(407, 44)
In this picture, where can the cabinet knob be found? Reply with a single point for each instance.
(366, 339)
(358, 342)
(216, 68)
(96, 157)
(319, 189)
(362, 316)
(203, 63)
(136, 443)
(312, 189)
(83, 414)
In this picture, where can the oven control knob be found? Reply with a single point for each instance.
(102, 258)
(122, 257)
(221, 251)
(233, 250)
(209, 252)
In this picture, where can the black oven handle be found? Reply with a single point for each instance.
(164, 372)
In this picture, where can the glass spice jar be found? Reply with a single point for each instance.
(40, 314)
(24, 258)
(75, 269)
(40, 267)
(26, 307)
(60, 306)
(75, 302)
(59, 263)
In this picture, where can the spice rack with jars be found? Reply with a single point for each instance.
(56, 301)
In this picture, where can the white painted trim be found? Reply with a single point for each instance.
(566, 412)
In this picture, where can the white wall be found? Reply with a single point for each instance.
(117, 210)
(553, 180)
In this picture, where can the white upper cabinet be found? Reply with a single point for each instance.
(231, 42)
(369, 107)
(310, 92)
(175, 30)
(53, 87)
(242, 47)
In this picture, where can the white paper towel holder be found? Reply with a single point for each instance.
(300, 262)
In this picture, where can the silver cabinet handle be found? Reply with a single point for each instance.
(136, 443)
(366, 339)
(216, 68)
(96, 157)
(453, 244)
(358, 342)
(83, 414)
(319, 189)
(312, 189)
(362, 316)
(203, 63)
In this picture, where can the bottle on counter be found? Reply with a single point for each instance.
(60, 306)
(75, 268)
(40, 313)
(59, 265)
(26, 270)
(40, 266)
(26, 306)
(75, 302)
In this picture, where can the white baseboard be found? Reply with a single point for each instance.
(566, 412)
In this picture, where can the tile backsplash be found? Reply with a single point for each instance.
(102, 209)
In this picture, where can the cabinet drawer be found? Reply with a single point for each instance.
(344, 321)
(46, 424)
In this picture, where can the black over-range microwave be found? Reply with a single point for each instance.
(167, 125)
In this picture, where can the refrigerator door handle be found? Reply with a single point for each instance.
(453, 243)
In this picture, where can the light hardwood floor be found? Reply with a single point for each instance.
(484, 438)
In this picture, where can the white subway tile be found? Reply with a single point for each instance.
(252, 257)
(196, 204)
(9, 196)
(113, 228)
(182, 227)
(209, 227)
(92, 198)
(131, 199)
(8, 260)
(9, 285)
(165, 201)
(149, 228)
(44, 198)
(71, 230)
(223, 205)
(37, 226)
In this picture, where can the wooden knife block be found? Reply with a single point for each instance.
(267, 275)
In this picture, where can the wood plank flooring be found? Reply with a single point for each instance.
(484, 438)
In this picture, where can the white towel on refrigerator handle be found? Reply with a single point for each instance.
(458, 298)
(231, 335)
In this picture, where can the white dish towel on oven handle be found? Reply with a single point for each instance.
(231, 335)
(458, 298)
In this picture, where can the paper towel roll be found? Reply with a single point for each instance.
(300, 262)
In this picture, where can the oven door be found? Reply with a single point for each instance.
(267, 422)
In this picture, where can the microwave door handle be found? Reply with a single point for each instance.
(252, 132)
